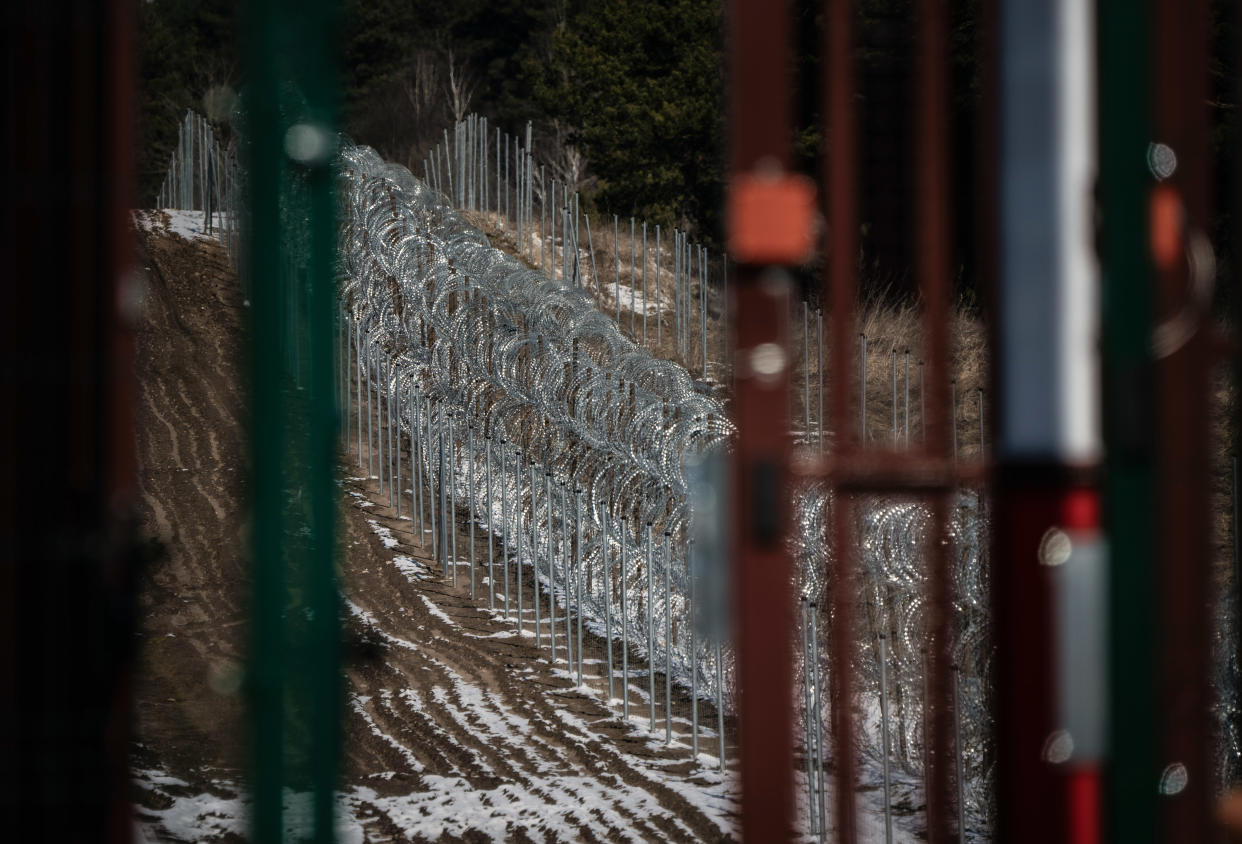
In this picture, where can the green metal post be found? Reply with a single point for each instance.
(294, 670)
(1128, 416)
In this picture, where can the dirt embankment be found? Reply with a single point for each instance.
(458, 728)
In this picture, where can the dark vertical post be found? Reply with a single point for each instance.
(842, 188)
(294, 670)
(67, 572)
(759, 126)
(1128, 416)
(932, 240)
(1181, 51)
(267, 654)
(1047, 557)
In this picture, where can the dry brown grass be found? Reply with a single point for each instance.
(892, 330)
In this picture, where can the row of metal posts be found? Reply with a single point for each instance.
(202, 176)
(813, 737)
(813, 434)
(812, 702)
(432, 443)
(463, 177)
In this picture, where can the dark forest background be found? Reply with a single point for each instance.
(626, 100)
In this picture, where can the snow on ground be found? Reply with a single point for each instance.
(383, 533)
(187, 224)
(631, 299)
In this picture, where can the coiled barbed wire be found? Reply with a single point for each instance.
(892, 585)
(553, 388)
(550, 384)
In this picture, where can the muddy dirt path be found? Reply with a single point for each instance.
(458, 727)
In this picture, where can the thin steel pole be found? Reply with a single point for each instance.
(547, 482)
(982, 430)
(504, 519)
(862, 388)
(893, 360)
(431, 488)
(607, 578)
(806, 370)
(530, 182)
(578, 567)
(370, 413)
(907, 398)
(724, 315)
(624, 536)
(922, 405)
(957, 748)
(953, 415)
(416, 472)
(396, 422)
(633, 286)
(807, 732)
(659, 311)
(534, 552)
(379, 418)
(491, 531)
(644, 282)
(819, 365)
(450, 515)
(694, 662)
(577, 226)
(599, 290)
(517, 476)
(703, 307)
(650, 628)
(449, 170)
(720, 732)
(677, 291)
(566, 571)
(358, 366)
(470, 481)
(616, 264)
(668, 641)
(819, 708)
(882, 644)
(530, 196)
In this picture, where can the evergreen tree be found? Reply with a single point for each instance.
(642, 83)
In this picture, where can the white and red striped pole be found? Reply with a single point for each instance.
(1049, 562)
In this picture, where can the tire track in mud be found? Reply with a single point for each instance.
(456, 727)
(190, 451)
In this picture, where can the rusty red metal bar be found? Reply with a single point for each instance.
(932, 253)
(851, 470)
(841, 294)
(759, 129)
(1182, 49)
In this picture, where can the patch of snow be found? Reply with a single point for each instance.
(187, 224)
(411, 568)
(383, 533)
(436, 611)
(631, 299)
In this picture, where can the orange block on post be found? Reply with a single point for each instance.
(771, 218)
